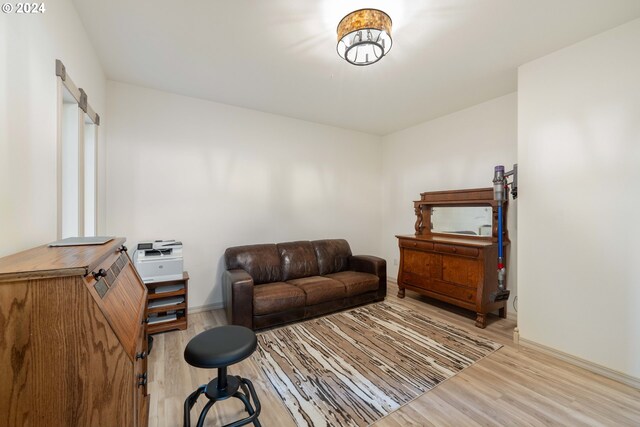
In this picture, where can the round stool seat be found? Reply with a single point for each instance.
(220, 347)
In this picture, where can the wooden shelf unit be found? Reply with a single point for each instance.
(181, 309)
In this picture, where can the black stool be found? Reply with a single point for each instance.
(219, 348)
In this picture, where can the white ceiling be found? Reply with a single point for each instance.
(279, 56)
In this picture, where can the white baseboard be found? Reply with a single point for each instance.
(582, 363)
(208, 307)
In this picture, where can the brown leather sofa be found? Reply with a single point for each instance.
(270, 284)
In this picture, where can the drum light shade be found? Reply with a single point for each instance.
(364, 36)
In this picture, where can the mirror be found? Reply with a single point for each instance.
(463, 220)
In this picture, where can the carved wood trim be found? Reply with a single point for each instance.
(467, 197)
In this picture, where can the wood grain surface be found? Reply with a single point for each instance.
(67, 351)
(44, 261)
(513, 386)
(56, 348)
(451, 271)
(123, 304)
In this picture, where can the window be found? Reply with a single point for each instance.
(90, 177)
(77, 160)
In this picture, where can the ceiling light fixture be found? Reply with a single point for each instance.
(364, 36)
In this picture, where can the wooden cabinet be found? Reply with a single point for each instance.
(457, 269)
(74, 345)
(161, 304)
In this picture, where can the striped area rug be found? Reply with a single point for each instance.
(355, 367)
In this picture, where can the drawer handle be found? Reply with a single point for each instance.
(100, 273)
(415, 244)
(142, 355)
(145, 320)
(455, 250)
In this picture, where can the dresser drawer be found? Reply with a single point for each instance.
(414, 244)
(454, 291)
(458, 250)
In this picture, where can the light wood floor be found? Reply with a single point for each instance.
(511, 387)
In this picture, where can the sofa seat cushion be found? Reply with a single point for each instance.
(276, 297)
(320, 289)
(356, 283)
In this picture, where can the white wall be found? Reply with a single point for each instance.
(29, 46)
(215, 176)
(579, 158)
(456, 151)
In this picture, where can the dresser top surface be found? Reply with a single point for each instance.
(469, 241)
(55, 261)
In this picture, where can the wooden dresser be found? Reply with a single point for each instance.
(457, 269)
(73, 344)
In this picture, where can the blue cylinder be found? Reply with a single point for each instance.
(500, 231)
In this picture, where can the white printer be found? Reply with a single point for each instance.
(158, 261)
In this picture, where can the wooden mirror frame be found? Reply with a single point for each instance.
(454, 198)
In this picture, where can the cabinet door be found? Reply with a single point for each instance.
(462, 271)
(419, 268)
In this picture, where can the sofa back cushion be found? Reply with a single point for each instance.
(297, 259)
(262, 262)
(332, 254)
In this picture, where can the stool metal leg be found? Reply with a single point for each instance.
(254, 397)
(203, 414)
(245, 400)
(248, 407)
(247, 395)
(245, 389)
(189, 402)
(250, 393)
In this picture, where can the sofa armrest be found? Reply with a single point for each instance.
(238, 291)
(373, 265)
